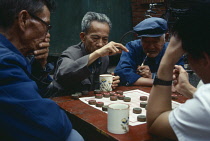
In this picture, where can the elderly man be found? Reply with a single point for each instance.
(190, 121)
(24, 114)
(139, 65)
(80, 65)
(40, 69)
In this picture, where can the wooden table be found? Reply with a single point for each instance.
(92, 123)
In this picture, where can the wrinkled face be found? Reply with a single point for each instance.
(35, 31)
(96, 37)
(152, 45)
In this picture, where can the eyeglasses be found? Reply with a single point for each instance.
(35, 17)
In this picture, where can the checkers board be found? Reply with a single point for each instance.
(134, 103)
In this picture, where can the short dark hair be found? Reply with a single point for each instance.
(193, 27)
(9, 9)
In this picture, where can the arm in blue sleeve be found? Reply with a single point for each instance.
(128, 64)
(24, 114)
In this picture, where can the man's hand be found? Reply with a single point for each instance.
(181, 82)
(144, 71)
(111, 48)
(41, 53)
(116, 81)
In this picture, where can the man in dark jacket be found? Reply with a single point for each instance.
(24, 114)
(80, 65)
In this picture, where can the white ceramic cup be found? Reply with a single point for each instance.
(118, 118)
(105, 81)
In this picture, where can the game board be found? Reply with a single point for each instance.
(135, 102)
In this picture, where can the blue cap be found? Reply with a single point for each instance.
(151, 27)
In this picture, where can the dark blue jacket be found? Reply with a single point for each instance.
(24, 114)
(129, 62)
(41, 76)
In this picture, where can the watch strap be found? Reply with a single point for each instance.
(158, 81)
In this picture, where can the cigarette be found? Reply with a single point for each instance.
(144, 59)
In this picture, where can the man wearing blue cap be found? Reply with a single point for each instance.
(139, 65)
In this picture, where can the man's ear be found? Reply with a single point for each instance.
(206, 60)
(23, 20)
(167, 36)
(82, 36)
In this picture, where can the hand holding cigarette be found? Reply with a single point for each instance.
(144, 71)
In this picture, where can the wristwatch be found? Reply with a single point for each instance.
(158, 81)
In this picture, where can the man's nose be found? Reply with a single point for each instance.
(100, 43)
(151, 46)
(47, 34)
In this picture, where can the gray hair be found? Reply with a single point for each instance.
(164, 37)
(93, 16)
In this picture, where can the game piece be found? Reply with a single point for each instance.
(85, 92)
(92, 102)
(98, 96)
(143, 98)
(127, 99)
(112, 93)
(121, 97)
(79, 93)
(75, 96)
(141, 118)
(105, 108)
(143, 104)
(119, 92)
(99, 104)
(113, 98)
(106, 94)
(137, 110)
(97, 91)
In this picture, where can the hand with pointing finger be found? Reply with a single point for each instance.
(111, 48)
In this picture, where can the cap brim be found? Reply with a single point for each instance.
(148, 35)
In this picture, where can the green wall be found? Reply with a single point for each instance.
(67, 18)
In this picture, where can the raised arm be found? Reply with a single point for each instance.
(159, 104)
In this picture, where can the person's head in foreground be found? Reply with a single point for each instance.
(193, 29)
(189, 121)
(25, 22)
(152, 32)
(95, 31)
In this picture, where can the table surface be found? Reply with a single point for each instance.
(91, 123)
